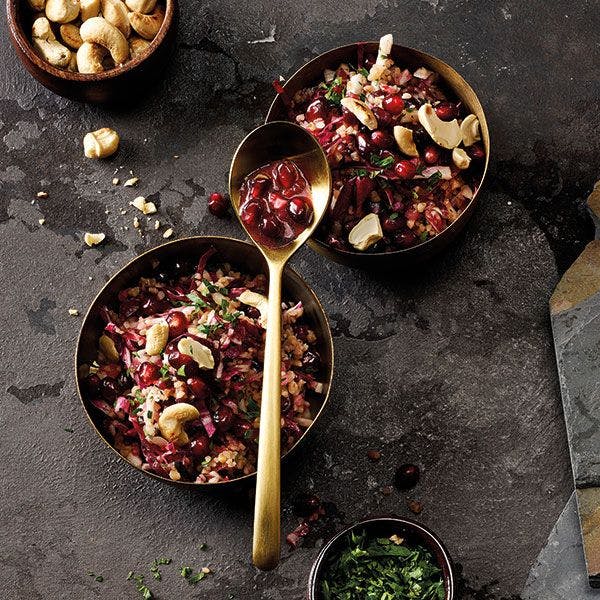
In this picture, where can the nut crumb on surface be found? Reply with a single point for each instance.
(92, 239)
(156, 224)
(136, 222)
(41, 221)
(414, 506)
(131, 182)
(42, 194)
(168, 233)
(374, 454)
(116, 181)
(73, 312)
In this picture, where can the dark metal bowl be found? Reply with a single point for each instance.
(385, 527)
(242, 255)
(120, 85)
(311, 73)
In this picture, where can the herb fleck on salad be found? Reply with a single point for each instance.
(382, 569)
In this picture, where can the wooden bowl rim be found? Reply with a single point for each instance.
(24, 44)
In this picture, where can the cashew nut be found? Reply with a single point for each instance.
(199, 352)
(62, 11)
(52, 52)
(385, 48)
(72, 66)
(259, 302)
(70, 35)
(361, 111)
(89, 9)
(115, 12)
(101, 143)
(366, 232)
(137, 46)
(404, 139)
(156, 338)
(460, 158)
(37, 5)
(99, 31)
(469, 129)
(147, 26)
(89, 58)
(93, 239)
(444, 133)
(141, 6)
(42, 30)
(108, 348)
(173, 418)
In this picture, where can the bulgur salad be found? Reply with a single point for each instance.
(405, 156)
(178, 374)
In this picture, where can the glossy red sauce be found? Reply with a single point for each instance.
(276, 203)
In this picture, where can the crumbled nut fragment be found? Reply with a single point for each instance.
(41, 221)
(136, 222)
(149, 208)
(92, 239)
(101, 143)
(168, 233)
(414, 506)
(156, 224)
(387, 490)
(131, 182)
(42, 194)
(396, 539)
(374, 454)
(73, 312)
(206, 570)
(116, 181)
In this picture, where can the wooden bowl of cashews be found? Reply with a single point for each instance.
(93, 50)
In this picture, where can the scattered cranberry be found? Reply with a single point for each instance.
(217, 204)
(178, 324)
(446, 111)
(384, 118)
(200, 447)
(407, 476)
(432, 155)
(198, 387)
(316, 110)
(178, 360)
(364, 143)
(349, 119)
(381, 139)
(148, 373)
(223, 418)
(374, 454)
(306, 504)
(389, 225)
(394, 104)
(405, 169)
(414, 506)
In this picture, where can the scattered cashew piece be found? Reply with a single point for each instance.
(366, 232)
(90, 57)
(37, 5)
(199, 352)
(156, 338)
(173, 418)
(101, 143)
(116, 13)
(444, 133)
(99, 31)
(147, 26)
(108, 348)
(258, 301)
(137, 46)
(69, 34)
(62, 11)
(141, 6)
(460, 158)
(469, 130)
(45, 43)
(42, 30)
(404, 139)
(385, 48)
(89, 9)
(361, 111)
(93, 239)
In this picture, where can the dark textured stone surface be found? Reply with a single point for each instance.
(450, 367)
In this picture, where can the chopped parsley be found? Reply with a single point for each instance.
(433, 180)
(209, 329)
(394, 216)
(197, 301)
(164, 370)
(363, 71)
(141, 587)
(194, 579)
(181, 371)
(203, 546)
(335, 91)
(382, 568)
(424, 235)
(252, 409)
(186, 572)
(69, 430)
(379, 161)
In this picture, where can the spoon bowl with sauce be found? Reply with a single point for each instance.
(280, 185)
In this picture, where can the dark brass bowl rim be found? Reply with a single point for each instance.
(392, 523)
(23, 41)
(215, 240)
(321, 61)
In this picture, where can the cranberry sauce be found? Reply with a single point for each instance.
(275, 203)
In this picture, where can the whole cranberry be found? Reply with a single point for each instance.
(393, 104)
(311, 362)
(405, 169)
(476, 152)
(148, 373)
(317, 109)
(198, 387)
(223, 418)
(446, 111)
(200, 446)
(109, 389)
(251, 213)
(432, 155)
(270, 227)
(163, 384)
(286, 174)
(178, 324)
(153, 306)
(217, 204)
(349, 119)
(306, 504)
(384, 118)
(381, 139)
(258, 187)
(93, 383)
(389, 225)
(363, 142)
(300, 209)
(129, 307)
(407, 476)
(178, 360)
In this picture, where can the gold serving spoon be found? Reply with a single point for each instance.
(268, 143)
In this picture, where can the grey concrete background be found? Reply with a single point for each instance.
(451, 367)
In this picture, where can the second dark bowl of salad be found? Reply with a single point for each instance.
(407, 142)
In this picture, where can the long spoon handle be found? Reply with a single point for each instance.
(266, 543)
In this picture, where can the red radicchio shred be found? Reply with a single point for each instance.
(206, 419)
(204, 261)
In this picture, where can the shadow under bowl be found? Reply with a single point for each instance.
(243, 256)
(409, 530)
(312, 72)
(120, 85)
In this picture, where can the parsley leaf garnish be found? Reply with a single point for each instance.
(335, 91)
(379, 161)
